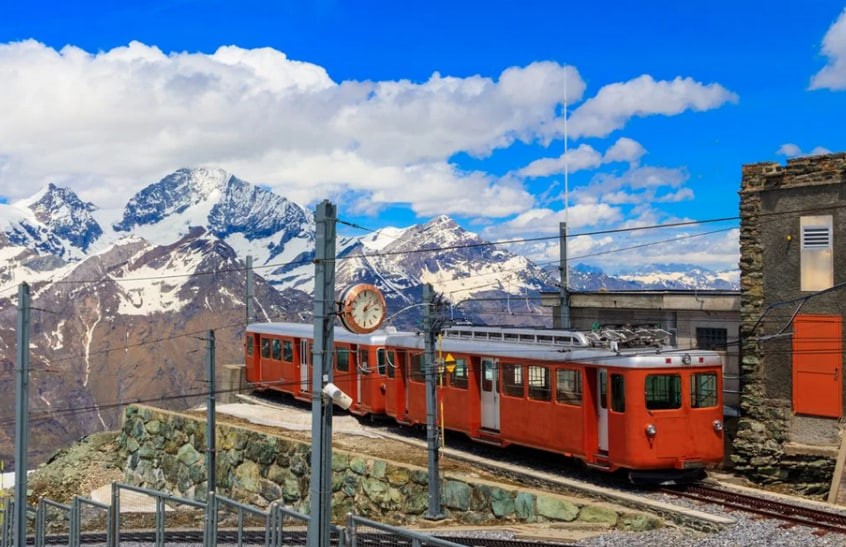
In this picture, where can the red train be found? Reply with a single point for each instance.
(614, 399)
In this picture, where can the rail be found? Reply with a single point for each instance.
(765, 506)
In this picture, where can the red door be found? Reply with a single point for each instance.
(818, 365)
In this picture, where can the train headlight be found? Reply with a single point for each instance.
(718, 426)
(651, 430)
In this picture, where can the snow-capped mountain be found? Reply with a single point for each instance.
(458, 264)
(660, 277)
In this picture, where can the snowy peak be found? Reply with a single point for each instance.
(172, 195)
(257, 213)
(67, 216)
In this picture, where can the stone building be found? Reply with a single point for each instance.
(793, 300)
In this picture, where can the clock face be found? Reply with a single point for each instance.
(362, 308)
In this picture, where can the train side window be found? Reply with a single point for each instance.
(603, 388)
(250, 344)
(703, 390)
(265, 347)
(342, 360)
(618, 393)
(458, 377)
(277, 350)
(539, 384)
(287, 351)
(512, 380)
(362, 361)
(488, 370)
(663, 391)
(417, 372)
(568, 388)
(381, 361)
(391, 362)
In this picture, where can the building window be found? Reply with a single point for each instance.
(817, 271)
(711, 338)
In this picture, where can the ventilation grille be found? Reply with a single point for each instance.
(816, 237)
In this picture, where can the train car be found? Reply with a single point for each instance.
(617, 399)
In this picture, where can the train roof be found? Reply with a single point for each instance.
(608, 349)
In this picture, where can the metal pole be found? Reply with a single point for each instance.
(249, 289)
(434, 509)
(564, 297)
(22, 416)
(321, 409)
(211, 446)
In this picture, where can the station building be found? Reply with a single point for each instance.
(793, 300)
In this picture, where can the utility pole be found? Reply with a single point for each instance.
(22, 416)
(321, 408)
(249, 289)
(564, 291)
(432, 441)
(211, 446)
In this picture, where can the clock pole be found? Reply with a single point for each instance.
(321, 410)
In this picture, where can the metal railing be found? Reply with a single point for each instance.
(355, 524)
(282, 526)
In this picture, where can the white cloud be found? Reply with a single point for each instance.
(638, 185)
(542, 222)
(791, 150)
(616, 103)
(123, 118)
(833, 74)
(584, 157)
(577, 159)
(625, 149)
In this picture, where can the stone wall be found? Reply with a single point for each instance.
(768, 274)
(164, 450)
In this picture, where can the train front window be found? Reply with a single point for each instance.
(540, 388)
(703, 390)
(458, 377)
(512, 380)
(568, 389)
(277, 350)
(618, 393)
(663, 391)
(250, 345)
(265, 347)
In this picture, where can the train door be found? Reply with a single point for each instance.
(490, 394)
(304, 360)
(602, 410)
(360, 371)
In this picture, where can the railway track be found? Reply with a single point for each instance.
(257, 537)
(764, 506)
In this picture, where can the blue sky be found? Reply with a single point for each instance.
(400, 111)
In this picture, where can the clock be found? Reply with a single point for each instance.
(362, 308)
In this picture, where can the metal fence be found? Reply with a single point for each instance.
(276, 525)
